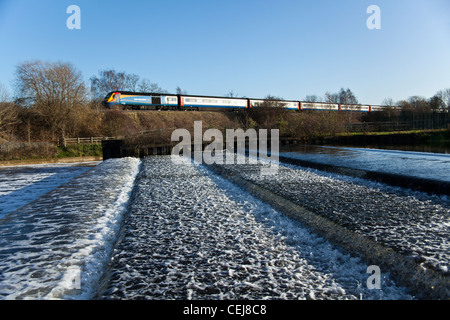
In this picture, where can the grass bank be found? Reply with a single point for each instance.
(438, 134)
(412, 137)
(46, 151)
(80, 150)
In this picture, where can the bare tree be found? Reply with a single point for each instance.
(347, 97)
(111, 80)
(342, 97)
(8, 113)
(180, 91)
(54, 90)
(388, 102)
(312, 98)
(444, 95)
(436, 103)
(108, 81)
(270, 113)
(419, 104)
(388, 107)
(132, 82)
(331, 97)
(231, 94)
(146, 86)
(4, 94)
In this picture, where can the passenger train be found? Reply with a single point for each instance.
(155, 101)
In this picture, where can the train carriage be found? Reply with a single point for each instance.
(318, 106)
(203, 103)
(161, 101)
(355, 107)
(290, 105)
(141, 101)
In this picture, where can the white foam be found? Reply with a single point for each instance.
(96, 250)
(56, 247)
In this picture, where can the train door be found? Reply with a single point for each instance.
(156, 102)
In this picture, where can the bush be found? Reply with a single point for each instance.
(80, 150)
(22, 151)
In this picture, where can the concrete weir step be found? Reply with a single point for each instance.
(413, 183)
(424, 283)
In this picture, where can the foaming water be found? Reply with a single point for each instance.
(56, 246)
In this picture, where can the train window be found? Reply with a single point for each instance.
(156, 100)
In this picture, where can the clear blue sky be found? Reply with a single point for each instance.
(287, 48)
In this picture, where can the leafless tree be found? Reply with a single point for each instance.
(437, 103)
(4, 94)
(388, 102)
(133, 82)
(231, 94)
(419, 104)
(54, 90)
(146, 86)
(270, 113)
(178, 90)
(111, 80)
(108, 81)
(312, 98)
(347, 97)
(8, 113)
(444, 95)
(342, 97)
(331, 97)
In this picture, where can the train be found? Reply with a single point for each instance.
(126, 100)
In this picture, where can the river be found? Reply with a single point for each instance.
(154, 229)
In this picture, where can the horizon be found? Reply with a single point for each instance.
(287, 49)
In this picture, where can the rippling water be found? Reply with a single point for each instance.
(427, 165)
(152, 229)
(64, 235)
(193, 235)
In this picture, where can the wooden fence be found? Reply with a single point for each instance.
(73, 141)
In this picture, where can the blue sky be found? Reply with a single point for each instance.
(287, 48)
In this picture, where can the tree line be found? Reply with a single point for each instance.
(439, 102)
(51, 101)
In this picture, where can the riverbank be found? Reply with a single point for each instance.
(389, 138)
(13, 154)
(49, 160)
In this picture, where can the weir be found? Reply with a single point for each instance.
(398, 180)
(118, 149)
(426, 283)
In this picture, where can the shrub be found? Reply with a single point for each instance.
(21, 150)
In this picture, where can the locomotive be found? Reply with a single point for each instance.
(160, 101)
